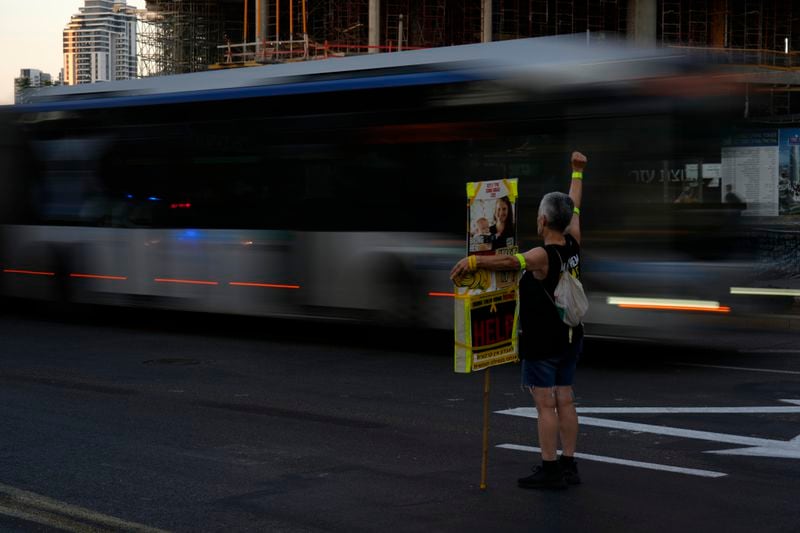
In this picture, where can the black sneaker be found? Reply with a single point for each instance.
(570, 469)
(544, 478)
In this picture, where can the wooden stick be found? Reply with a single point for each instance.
(485, 457)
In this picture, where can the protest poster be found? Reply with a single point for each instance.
(486, 303)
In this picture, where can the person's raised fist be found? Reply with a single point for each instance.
(578, 161)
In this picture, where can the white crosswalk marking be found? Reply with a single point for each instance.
(625, 462)
(755, 446)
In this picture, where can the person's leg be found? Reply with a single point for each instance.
(567, 415)
(548, 425)
(539, 378)
(567, 419)
(565, 398)
(568, 429)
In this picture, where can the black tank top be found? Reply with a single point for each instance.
(543, 333)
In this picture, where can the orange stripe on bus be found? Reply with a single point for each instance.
(29, 272)
(97, 276)
(187, 281)
(267, 285)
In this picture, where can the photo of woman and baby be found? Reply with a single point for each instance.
(499, 232)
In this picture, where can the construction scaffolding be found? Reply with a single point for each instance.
(538, 18)
(615, 15)
(506, 20)
(671, 19)
(150, 44)
(397, 23)
(466, 23)
(565, 17)
(179, 36)
(554, 17)
(432, 21)
(595, 16)
(348, 23)
(189, 35)
(746, 25)
(779, 20)
(698, 23)
(761, 34)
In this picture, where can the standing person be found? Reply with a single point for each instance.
(731, 197)
(503, 230)
(549, 349)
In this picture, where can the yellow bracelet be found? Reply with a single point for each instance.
(521, 259)
(576, 210)
(577, 175)
(472, 263)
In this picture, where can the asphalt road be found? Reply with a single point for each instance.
(115, 421)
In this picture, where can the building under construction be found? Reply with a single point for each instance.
(189, 35)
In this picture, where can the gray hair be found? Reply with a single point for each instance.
(557, 209)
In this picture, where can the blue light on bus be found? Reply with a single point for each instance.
(189, 235)
(154, 199)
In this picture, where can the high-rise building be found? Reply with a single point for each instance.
(100, 43)
(29, 78)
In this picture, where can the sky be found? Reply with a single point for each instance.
(31, 37)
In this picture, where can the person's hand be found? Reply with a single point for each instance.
(461, 268)
(578, 161)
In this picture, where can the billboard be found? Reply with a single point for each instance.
(750, 165)
(789, 174)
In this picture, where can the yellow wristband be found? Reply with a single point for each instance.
(472, 263)
(576, 210)
(521, 259)
(577, 175)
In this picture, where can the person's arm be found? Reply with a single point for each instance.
(472, 263)
(576, 193)
(534, 260)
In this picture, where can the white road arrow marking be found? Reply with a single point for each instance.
(692, 410)
(756, 446)
(743, 368)
(625, 462)
(790, 452)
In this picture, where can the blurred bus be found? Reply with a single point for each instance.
(335, 189)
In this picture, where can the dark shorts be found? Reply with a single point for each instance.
(557, 371)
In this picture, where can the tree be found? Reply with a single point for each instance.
(21, 85)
